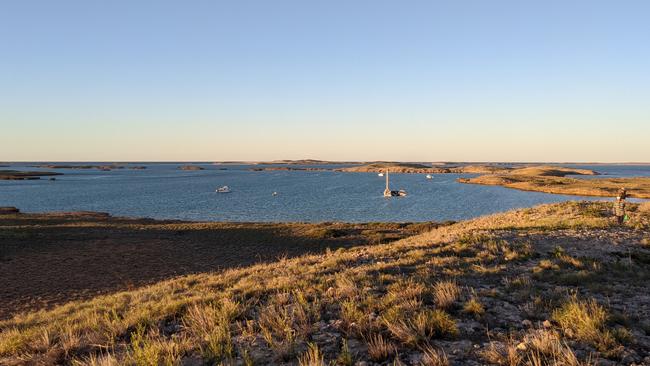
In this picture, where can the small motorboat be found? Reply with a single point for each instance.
(429, 176)
(380, 174)
(274, 194)
(224, 189)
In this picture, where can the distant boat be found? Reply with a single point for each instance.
(275, 193)
(380, 174)
(429, 176)
(224, 189)
(389, 193)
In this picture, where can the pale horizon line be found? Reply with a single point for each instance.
(280, 161)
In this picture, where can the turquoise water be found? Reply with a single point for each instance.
(163, 191)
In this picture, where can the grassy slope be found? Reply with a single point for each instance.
(555, 284)
(551, 171)
(601, 187)
(49, 259)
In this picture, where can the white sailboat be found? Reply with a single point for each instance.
(389, 193)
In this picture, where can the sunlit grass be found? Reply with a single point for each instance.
(378, 302)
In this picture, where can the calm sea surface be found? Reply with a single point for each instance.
(164, 191)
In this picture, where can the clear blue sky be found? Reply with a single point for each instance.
(362, 80)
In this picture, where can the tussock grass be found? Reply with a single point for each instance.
(446, 293)
(474, 307)
(147, 349)
(585, 320)
(433, 357)
(345, 357)
(312, 357)
(379, 348)
(415, 329)
(211, 323)
(537, 348)
(97, 360)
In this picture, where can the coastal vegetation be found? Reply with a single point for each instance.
(555, 284)
(555, 180)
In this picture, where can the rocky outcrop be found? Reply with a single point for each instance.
(19, 175)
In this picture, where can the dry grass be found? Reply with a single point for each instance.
(541, 181)
(345, 357)
(586, 322)
(433, 357)
(644, 208)
(446, 293)
(211, 323)
(379, 349)
(148, 349)
(417, 328)
(390, 301)
(474, 307)
(97, 360)
(312, 357)
(537, 348)
(109, 254)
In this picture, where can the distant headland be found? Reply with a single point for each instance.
(554, 179)
(18, 175)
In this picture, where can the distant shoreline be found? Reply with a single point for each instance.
(310, 162)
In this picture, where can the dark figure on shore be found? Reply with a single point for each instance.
(619, 206)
